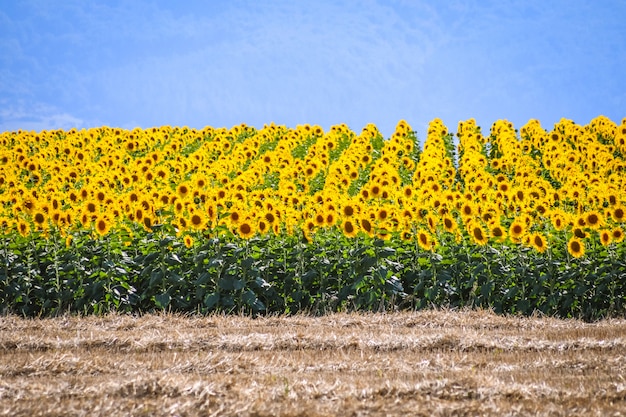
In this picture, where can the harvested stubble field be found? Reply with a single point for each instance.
(423, 363)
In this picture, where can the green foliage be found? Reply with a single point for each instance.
(301, 150)
(141, 271)
(317, 182)
(356, 185)
(344, 143)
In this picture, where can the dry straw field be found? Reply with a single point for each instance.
(421, 363)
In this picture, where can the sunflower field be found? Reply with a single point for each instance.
(286, 220)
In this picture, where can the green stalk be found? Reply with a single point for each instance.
(57, 276)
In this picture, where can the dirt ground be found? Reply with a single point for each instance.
(433, 363)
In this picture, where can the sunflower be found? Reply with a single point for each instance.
(375, 191)
(498, 233)
(617, 235)
(23, 228)
(262, 226)
(269, 217)
(211, 211)
(348, 210)
(618, 214)
(147, 223)
(605, 237)
(432, 222)
(408, 191)
(594, 220)
(576, 247)
(103, 225)
(468, 210)
(245, 229)
(538, 241)
(179, 206)
(349, 228)
(558, 220)
(517, 230)
(384, 234)
(188, 241)
(309, 227)
(182, 190)
(182, 223)
(382, 214)
(138, 214)
(579, 233)
(39, 218)
(90, 207)
(367, 227)
(477, 234)
(56, 217)
(424, 240)
(234, 217)
(449, 224)
(197, 221)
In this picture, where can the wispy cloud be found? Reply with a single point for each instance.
(36, 117)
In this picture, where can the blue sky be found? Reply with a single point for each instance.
(80, 63)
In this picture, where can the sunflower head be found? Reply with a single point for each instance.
(196, 221)
(617, 235)
(498, 233)
(538, 242)
(605, 237)
(618, 214)
(102, 225)
(449, 224)
(424, 240)
(349, 228)
(576, 247)
(517, 230)
(593, 220)
(245, 230)
(367, 226)
(477, 234)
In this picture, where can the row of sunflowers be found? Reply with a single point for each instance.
(559, 194)
(496, 188)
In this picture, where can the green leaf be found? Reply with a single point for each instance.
(202, 279)
(367, 262)
(173, 259)
(174, 278)
(156, 278)
(247, 263)
(165, 242)
(394, 285)
(231, 284)
(523, 306)
(211, 300)
(261, 283)
(485, 289)
(162, 300)
(151, 257)
(511, 293)
(386, 252)
(250, 298)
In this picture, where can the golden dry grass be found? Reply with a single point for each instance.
(431, 363)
